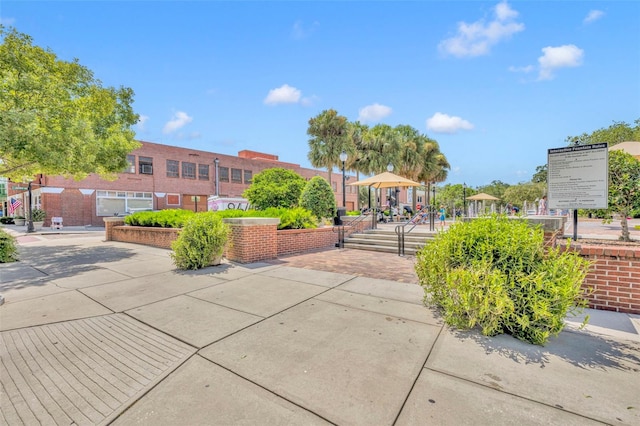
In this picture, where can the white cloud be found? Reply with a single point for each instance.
(443, 123)
(373, 113)
(477, 38)
(593, 16)
(284, 94)
(180, 119)
(142, 120)
(553, 58)
(525, 69)
(299, 31)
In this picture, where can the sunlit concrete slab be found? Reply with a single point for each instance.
(202, 393)
(322, 278)
(259, 294)
(411, 311)
(48, 309)
(395, 290)
(347, 365)
(134, 292)
(581, 373)
(191, 320)
(439, 399)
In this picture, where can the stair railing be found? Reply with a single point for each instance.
(401, 231)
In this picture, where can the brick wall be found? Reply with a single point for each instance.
(614, 276)
(115, 230)
(252, 239)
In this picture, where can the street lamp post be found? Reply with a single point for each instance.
(217, 162)
(343, 158)
(464, 200)
(30, 227)
(433, 190)
(390, 169)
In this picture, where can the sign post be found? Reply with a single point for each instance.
(578, 178)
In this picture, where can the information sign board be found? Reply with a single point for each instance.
(577, 177)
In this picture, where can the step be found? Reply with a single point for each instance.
(378, 248)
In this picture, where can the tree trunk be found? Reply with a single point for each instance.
(625, 228)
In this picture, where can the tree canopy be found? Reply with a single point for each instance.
(276, 187)
(56, 118)
(317, 196)
(618, 132)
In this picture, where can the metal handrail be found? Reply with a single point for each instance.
(340, 228)
(401, 231)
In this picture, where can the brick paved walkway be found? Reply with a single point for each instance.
(387, 266)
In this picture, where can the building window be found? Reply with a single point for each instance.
(188, 170)
(203, 171)
(146, 165)
(131, 168)
(111, 203)
(224, 174)
(236, 175)
(334, 185)
(173, 168)
(173, 199)
(248, 176)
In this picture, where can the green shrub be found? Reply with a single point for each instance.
(275, 187)
(353, 213)
(317, 196)
(6, 220)
(297, 218)
(201, 240)
(8, 248)
(38, 215)
(170, 218)
(495, 273)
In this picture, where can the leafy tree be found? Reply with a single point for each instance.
(529, 192)
(495, 188)
(317, 196)
(56, 118)
(618, 132)
(540, 176)
(624, 187)
(275, 187)
(328, 138)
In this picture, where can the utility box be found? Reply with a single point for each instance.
(341, 211)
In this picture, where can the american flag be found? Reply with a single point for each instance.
(14, 203)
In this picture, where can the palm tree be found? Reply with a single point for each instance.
(434, 165)
(328, 138)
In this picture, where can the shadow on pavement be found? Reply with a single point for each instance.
(579, 348)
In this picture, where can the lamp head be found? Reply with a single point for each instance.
(343, 156)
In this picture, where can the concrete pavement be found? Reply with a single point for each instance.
(96, 332)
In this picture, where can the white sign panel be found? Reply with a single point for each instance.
(577, 177)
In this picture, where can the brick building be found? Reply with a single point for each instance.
(161, 177)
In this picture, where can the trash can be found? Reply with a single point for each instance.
(341, 211)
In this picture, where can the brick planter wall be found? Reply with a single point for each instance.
(115, 230)
(614, 276)
(252, 239)
(292, 241)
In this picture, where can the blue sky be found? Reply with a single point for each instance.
(495, 83)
